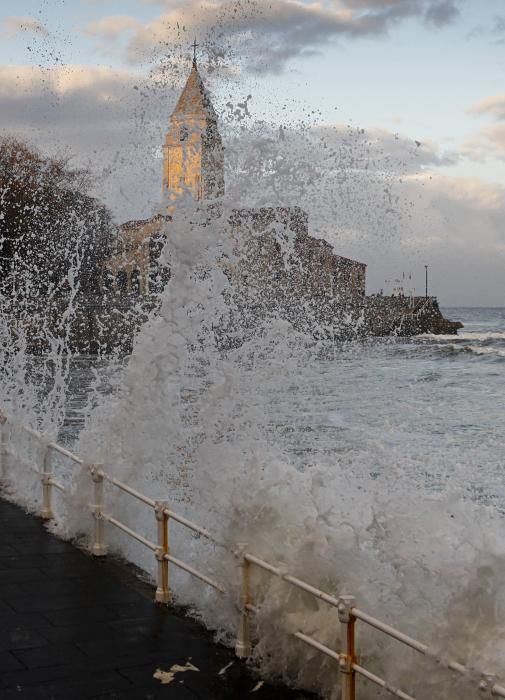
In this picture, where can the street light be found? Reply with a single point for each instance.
(426, 270)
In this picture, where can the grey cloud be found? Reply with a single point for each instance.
(438, 12)
(442, 13)
(495, 30)
(267, 35)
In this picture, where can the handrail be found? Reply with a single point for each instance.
(382, 683)
(51, 445)
(127, 489)
(195, 573)
(129, 531)
(192, 526)
(298, 583)
(348, 613)
(390, 631)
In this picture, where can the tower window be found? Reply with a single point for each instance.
(183, 133)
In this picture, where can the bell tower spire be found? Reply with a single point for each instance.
(193, 161)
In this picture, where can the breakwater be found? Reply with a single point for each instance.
(102, 325)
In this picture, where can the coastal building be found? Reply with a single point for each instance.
(274, 243)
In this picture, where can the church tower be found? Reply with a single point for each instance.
(193, 159)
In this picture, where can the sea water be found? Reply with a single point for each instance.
(419, 400)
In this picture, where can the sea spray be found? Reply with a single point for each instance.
(201, 426)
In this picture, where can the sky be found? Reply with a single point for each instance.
(409, 94)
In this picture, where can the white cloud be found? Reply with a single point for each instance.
(112, 27)
(489, 141)
(16, 25)
(494, 105)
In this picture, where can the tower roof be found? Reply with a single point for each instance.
(194, 100)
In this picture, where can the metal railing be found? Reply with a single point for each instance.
(349, 614)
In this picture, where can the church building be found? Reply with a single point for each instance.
(193, 163)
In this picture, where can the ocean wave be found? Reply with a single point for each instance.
(476, 337)
(476, 350)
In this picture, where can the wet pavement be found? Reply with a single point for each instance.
(72, 626)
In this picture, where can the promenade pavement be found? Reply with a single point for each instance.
(74, 627)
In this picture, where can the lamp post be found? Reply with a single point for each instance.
(426, 270)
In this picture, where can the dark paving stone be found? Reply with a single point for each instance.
(8, 589)
(112, 648)
(34, 621)
(11, 563)
(173, 691)
(81, 633)
(14, 636)
(5, 609)
(74, 627)
(137, 610)
(47, 586)
(8, 662)
(25, 603)
(40, 545)
(60, 568)
(6, 550)
(63, 683)
(50, 655)
(20, 575)
(76, 617)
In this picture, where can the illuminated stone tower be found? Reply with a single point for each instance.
(193, 160)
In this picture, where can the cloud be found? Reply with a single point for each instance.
(438, 12)
(16, 25)
(110, 28)
(442, 13)
(494, 105)
(264, 36)
(496, 30)
(489, 141)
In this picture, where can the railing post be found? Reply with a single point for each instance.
(243, 643)
(162, 589)
(348, 654)
(3, 449)
(47, 489)
(98, 548)
(487, 682)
